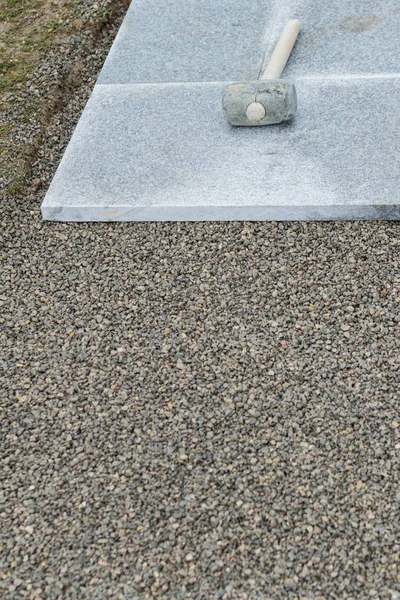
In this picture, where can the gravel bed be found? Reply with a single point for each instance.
(199, 411)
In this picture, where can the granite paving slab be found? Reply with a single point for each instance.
(152, 143)
(339, 37)
(134, 157)
(190, 40)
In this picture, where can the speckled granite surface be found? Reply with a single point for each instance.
(161, 150)
(341, 37)
(187, 40)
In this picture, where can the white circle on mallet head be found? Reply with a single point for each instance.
(255, 111)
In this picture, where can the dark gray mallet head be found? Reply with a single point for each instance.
(260, 102)
(268, 100)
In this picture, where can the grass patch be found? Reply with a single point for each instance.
(29, 29)
(12, 73)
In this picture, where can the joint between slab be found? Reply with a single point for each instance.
(336, 77)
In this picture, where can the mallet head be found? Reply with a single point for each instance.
(262, 102)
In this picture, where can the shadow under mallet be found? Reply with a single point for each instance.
(269, 100)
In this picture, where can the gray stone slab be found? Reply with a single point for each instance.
(189, 40)
(341, 36)
(134, 156)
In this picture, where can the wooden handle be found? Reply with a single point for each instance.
(282, 50)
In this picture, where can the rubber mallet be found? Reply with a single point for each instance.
(268, 100)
